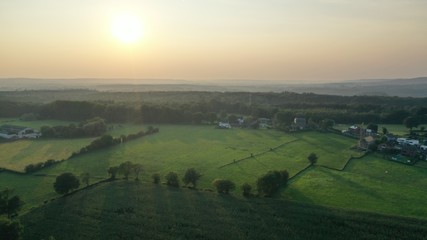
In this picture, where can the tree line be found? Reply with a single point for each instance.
(212, 106)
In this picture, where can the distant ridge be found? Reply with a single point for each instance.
(411, 87)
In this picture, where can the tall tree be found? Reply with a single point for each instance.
(10, 204)
(137, 168)
(191, 176)
(65, 183)
(312, 158)
(113, 172)
(223, 186)
(125, 169)
(410, 122)
(172, 179)
(85, 177)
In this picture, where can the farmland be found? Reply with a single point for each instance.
(218, 153)
(134, 210)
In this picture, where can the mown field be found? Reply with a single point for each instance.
(135, 210)
(16, 155)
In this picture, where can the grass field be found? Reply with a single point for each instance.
(364, 185)
(132, 210)
(370, 184)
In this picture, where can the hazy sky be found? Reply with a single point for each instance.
(311, 40)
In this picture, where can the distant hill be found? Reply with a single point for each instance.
(133, 210)
(415, 87)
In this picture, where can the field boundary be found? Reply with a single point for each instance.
(346, 164)
(258, 154)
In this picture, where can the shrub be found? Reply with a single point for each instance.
(223, 186)
(172, 179)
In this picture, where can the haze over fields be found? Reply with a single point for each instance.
(299, 41)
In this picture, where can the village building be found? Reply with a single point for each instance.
(17, 132)
(300, 123)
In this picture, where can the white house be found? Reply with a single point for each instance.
(18, 132)
(224, 125)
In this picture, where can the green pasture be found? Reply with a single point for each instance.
(369, 184)
(135, 210)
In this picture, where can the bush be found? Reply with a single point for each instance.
(156, 178)
(270, 182)
(223, 186)
(191, 176)
(172, 179)
(246, 188)
(65, 183)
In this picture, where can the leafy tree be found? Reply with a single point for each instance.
(85, 177)
(126, 168)
(269, 183)
(9, 204)
(172, 179)
(191, 176)
(284, 175)
(10, 230)
(312, 158)
(327, 123)
(246, 188)
(385, 130)
(137, 168)
(373, 127)
(113, 172)
(156, 178)
(223, 186)
(65, 183)
(411, 122)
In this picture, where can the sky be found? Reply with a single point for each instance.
(286, 40)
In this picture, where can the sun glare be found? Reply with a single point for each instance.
(126, 28)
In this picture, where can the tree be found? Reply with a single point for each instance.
(137, 168)
(385, 131)
(172, 179)
(85, 177)
(191, 176)
(312, 158)
(269, 183)
(410, 122)
(113, 172)
(246, 188)
(373, 127)
(65, 183)
(125, 169)
(10, 230)
(223, 186)
(10, 204)
(156, 178)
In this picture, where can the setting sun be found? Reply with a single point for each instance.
(127, 28)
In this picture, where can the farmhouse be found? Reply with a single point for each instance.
(264, 123)
(224, 125)
(300, 123)
(17, 132)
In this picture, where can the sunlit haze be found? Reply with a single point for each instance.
(289, 40)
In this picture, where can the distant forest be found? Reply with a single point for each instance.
(197, 107)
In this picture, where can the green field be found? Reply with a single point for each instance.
(363, 185)
(134, 210)
(370, 184)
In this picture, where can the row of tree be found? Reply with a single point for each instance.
(10, 205)
(89, 128)
(209, 106)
